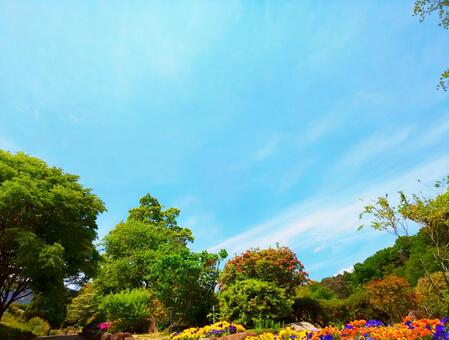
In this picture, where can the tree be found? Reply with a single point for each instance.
(149, 250)
(433, 295)
(132, 246)
(47, 228)
(82, 307)
(252, 300)
(431, 214)
(276, 265)
(184, 282)
(392, 295)
(441, 7)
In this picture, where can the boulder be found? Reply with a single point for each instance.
(105, 336)
(302, 326)
(237, 336)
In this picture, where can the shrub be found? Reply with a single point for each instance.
(38, 326)
(128, 308)
(277, 265)
(392, 295)
(82, 307)
(251, 300)
(432, 295)
(12, 333)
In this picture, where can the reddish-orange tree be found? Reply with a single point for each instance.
(392, 295)
(277, 265)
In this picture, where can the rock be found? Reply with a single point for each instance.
(302, 326)
(128, 336)
(117, 336)
(105, 336)
(237, 336)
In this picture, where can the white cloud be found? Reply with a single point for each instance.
(328, 219)
(319, 248)
(377, 144)
(345, 270)
(267, 150)
(435, 133)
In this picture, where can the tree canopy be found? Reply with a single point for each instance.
(47, 228)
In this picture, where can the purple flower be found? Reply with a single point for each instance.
(374, 323)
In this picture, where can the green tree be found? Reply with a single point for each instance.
(251, 300)
(431, 214)
(132, 246)
(83, 306)
(184, 282)
(433, 295)
(47, 228)
(424, 8)
(149, 250)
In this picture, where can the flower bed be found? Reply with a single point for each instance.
(217, 329)
(434, 329)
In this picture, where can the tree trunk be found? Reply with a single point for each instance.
(152, 327)
(2, 311)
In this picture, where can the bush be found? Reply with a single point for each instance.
(17, 328)
(432, 295)
(38, 326)
(393, 296)
(82, 307)
(251, 300)
(127, 309)
(13, 333)
(278, 265)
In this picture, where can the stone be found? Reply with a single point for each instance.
(237, 336)
(105, 336)
(117, 336)
(302, 326)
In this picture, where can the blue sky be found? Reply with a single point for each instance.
(263, 121)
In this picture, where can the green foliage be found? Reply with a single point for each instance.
(83, 306)
(310, 307)
(49, 305)
(267, 325)
(13, 327)
(132, 246)
(150, 250)
(432, 295)
(251, 300)
(441, 7)
(8, 332)
(431, 214)
(184, 282)
(38, 326)
(278, 265)
(127, 308)
(47, 226)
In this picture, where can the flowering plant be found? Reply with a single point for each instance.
(104, 326)
(434, 329)
(215, 330)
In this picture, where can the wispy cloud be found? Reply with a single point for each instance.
(328, 219)
(435, 133)
(268, 149)
(379, 143)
